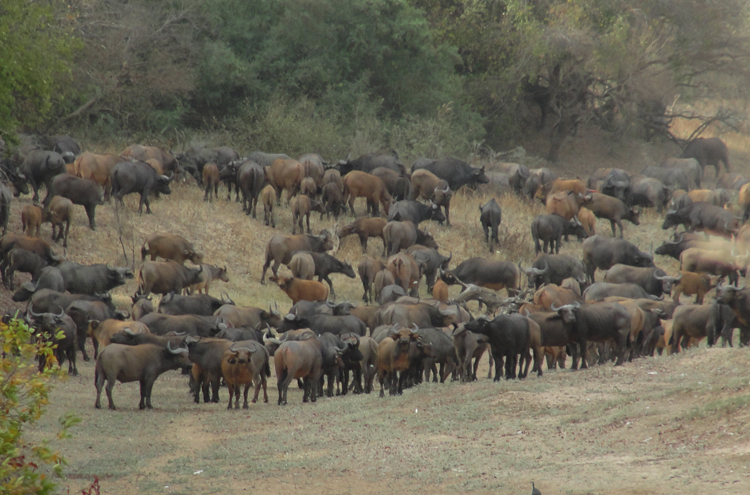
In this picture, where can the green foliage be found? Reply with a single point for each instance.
(334, 52)
(24, 393)
(36, 47)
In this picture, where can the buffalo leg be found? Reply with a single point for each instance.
(363, 242)
(231, 388)
(244, 404)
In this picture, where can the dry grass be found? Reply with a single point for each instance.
(659, 425)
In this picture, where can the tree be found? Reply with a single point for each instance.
(36, 48)
(24, 393)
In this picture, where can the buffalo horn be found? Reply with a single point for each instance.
(179, 350)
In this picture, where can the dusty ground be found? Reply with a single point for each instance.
(658, 425)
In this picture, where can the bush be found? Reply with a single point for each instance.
(24, 393)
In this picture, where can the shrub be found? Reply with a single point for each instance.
(24, 393)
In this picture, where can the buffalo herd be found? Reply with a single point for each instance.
(554, 308)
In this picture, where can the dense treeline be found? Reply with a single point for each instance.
(435, 76)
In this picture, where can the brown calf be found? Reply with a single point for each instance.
(302, 290)
(243, 363)
(693, 283)
(268, 198)
(365, 228)
(308, 187)
(32, 217)
(60, 214)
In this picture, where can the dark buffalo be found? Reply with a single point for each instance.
(251, 180)
(370, 161)
(325, 264)
(92, 279)
(649, 192)
(50, 278)
(490, 216)
(551, 228)
(322, 323)
(616, 183)
(429, 261)
(599, 323)
(672, 177)
(482, 272)
(40, 167)
(141, 178)
(705, 217)
(598, 291)
(195, 325)
(196, 157)
(708, 151)
(509, 338)
(48, 327)
(415, 212)
(202, 304)
(84, 192)
(600, 252)
(83, 311)
(553, 269)
(653, 280)
(456, 172)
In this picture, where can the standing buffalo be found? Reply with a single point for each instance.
(196, 157)
(708, 151)
(600, 252)
(551, 228)
(482, 272)
(490, 216)
(370, 161)
(97, 168)
(455, 172)
(138, 177)
(79, 191)
(92, 279)
(163, 277)
(281, 248)
(40, 167)
(170, 247)
(415, 212)
(143, 153)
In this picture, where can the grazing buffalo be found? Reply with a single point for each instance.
(598, 291)
(301, 290)
(649, 192)
(170, 247)
(482, 272)
(250, 317)
(653, 280)
(166, 160)
(403, 235)
(20, 260)
(79, 191)
(490, 216)
(361, 184)
(365, 228)
(553, 269)
(281, 248)
(708, 151)
(92, 279)
(672, 177)
(600, 252)
(613, 209)
(455, 172)
(141, 178)
(370, 161)
(415, 212)
(325, 264)
(203, 304)
(703, 217)
(551, 228)
(163, 277)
